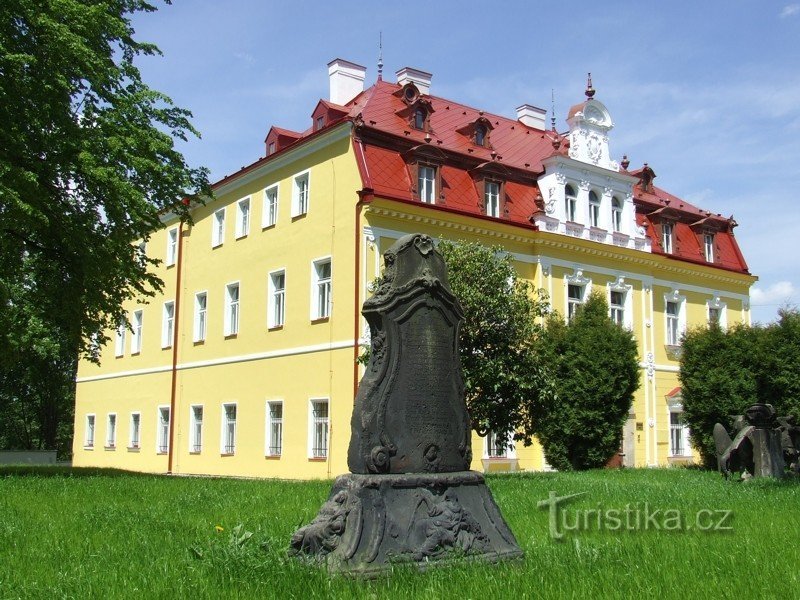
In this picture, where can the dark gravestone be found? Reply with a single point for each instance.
(760, 445)
(410, 496)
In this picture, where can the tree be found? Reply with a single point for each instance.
(724, 372)
(88, 166)
(595, 366)
(503, 373)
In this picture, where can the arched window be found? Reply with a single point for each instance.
(616, 214)
(480, 135)
(419, 118)
(594, 209)
(570, 203)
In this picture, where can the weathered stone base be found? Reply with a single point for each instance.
(371, 522)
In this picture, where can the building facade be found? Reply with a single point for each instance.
(245, 364)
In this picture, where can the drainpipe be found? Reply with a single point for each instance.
(175, 325)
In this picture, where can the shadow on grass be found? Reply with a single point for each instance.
(61, 471)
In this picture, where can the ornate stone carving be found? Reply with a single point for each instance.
(585, 185)
(650, 365)
(561, 179)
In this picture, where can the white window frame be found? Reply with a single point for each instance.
(319, 428)
(111, 430)
(196, 429)
(243, 213)
(172, 246)
(233, 313)
(678, 319)
(490, 445)
(321, 289)
(426, 185)
(300, 200)
(274, 428)
(200, 326)
(119, 340)
(90, 430)
(626, 290)
(269, 215)
(162, 429)
(715, 303)
(570, 204)
(491, 197)
(135, 431)
(138, 326)
(708, 246)
(218, 228)
(168, 324)
(227, 438)
(576, 279)
(594, 209)
(675, 406)
(617, 206)
(667, 237)
(276, 300)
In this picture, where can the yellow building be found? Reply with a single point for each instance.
(245, 364)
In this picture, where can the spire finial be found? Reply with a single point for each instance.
(380, 56)
(589, 88)
(553, 109)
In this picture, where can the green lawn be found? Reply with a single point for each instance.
(106, 534)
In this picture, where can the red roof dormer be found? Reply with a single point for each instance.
(326, 113)
(277, 139)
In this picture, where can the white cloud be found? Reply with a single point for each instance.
(777, 294)
(790, 10)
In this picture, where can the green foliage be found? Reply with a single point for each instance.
(724, 372)
(595, 366)
(504, 375)
(87, 168)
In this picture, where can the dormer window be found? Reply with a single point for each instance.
(480, 135)
(616, 214)
(420, 116)
(271, 148)
(570, 203)
(320, 123)
(426, 183)
(594, 209)
(666, 237)
(708, 246)
(491, 196)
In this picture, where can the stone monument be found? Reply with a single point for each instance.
(763, 445)
(410, 496)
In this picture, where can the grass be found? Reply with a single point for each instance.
(70, 533)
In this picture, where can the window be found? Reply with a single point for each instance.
(111, 431)
(270, 213)
(320, 123)
(162, 440)
(717, 312)
(276, 309)
(570, 203)
(300, 194)
(594, 209)
(168, 325)
(574, 299)
(88, 441)
(271, 148)
(200, 316)
(196, 429)
(172, 246)
(119, 340)
(678, 435)
(228, 429)
(673, 328)
(426, 183)
(708, 244)
(480, 135)
(496, 445)
(231, 309)
(420, 114)
(321, 289)
(319, 429)
(618, 307)
(242, 218)
(666, 237)
(491, 197)
(616, 214)
(135, 432)
(274, 428)
(218, 228)
(136, 338)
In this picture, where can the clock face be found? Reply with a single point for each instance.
(593, 114)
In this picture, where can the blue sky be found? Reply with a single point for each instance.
(707, 93)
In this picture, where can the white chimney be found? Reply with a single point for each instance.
(346, 79)
(532, 116)
(421, 79)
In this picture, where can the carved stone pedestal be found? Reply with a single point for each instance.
(371, 522)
